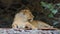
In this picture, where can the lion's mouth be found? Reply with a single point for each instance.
(30, 20)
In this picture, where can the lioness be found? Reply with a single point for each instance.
(25, 18)
(22, 19)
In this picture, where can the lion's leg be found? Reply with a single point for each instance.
(14, 26)
(30, 26)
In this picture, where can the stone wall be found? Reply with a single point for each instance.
(14, 31)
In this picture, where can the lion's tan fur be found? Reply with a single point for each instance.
(40, 24)
(21, 20)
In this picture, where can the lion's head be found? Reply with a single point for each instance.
(24, 15)
(22, 18)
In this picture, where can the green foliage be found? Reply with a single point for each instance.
(54, 11)
(46, 5)
(51, 8)
(50, 15)
(58, 4)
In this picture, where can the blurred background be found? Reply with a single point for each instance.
(44, 10)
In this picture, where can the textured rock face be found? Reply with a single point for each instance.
(15, 31)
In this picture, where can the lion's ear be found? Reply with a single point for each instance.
(24, 12)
